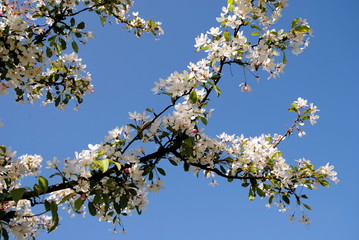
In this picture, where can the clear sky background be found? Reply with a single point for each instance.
(124, 69)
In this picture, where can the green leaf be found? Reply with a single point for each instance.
(150, 176)
(49, 52)
(271, 199)
(284, 58)
(81, 25)
(92, 209)
(161, 171)
(123, 201)
(298, 201)
(216, 77)
(256, 27)
(307, 206)
(78, 203)
(43, 183)
(38, 189)
(63, 43)
(67, 197)
(103, 20)
(3, 149)
(103, 164)
(78, 35)
(72, 22)
(189, 141)
(49, 95)
(204, 120)
(277, 155)
(302, 29)
(286, 199)
(293, 109)
(186, 166)
(117, 207)
(55, 216)
(17, 194)
(118, 165)
(47, 205)
(4, 234)
(230, 5)
(193, 97)
(324, 183)
(58, 48)
(295, 22)
(260, 192)
(173, 162)
(227, 35)
(255, 33)
(132, 191)
(251, 195)
(215, 87)
(75, 47)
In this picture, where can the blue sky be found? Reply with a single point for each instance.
(124, 69)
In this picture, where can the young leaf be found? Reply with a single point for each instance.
(63, 43)
(43, 183)
(72, 22)
(227, 36)
(81, 25)
(48, 52)
(103, 21)
(251, 195)
(92, 209)
(307, 206)
(75, 47)
(302, 29)
(17, 194)
(104, 164)
(284, 58)
(324, 183)
(78, 203)
(55, 216)
(4, 234)
(286, 199)
(295, 22)
(161, 171)
(193, 97)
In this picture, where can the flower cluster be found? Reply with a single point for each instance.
(34, 36)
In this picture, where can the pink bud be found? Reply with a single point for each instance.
(245, 87)
(195, 131)
(83, 197)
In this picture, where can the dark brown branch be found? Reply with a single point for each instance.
(148, 125)
(53, 188)
(218, 172)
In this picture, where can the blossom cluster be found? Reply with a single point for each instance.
(35, 37)
(18, 214)
(228, 44)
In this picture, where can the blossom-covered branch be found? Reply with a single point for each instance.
(35, 42)
(113, 178)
